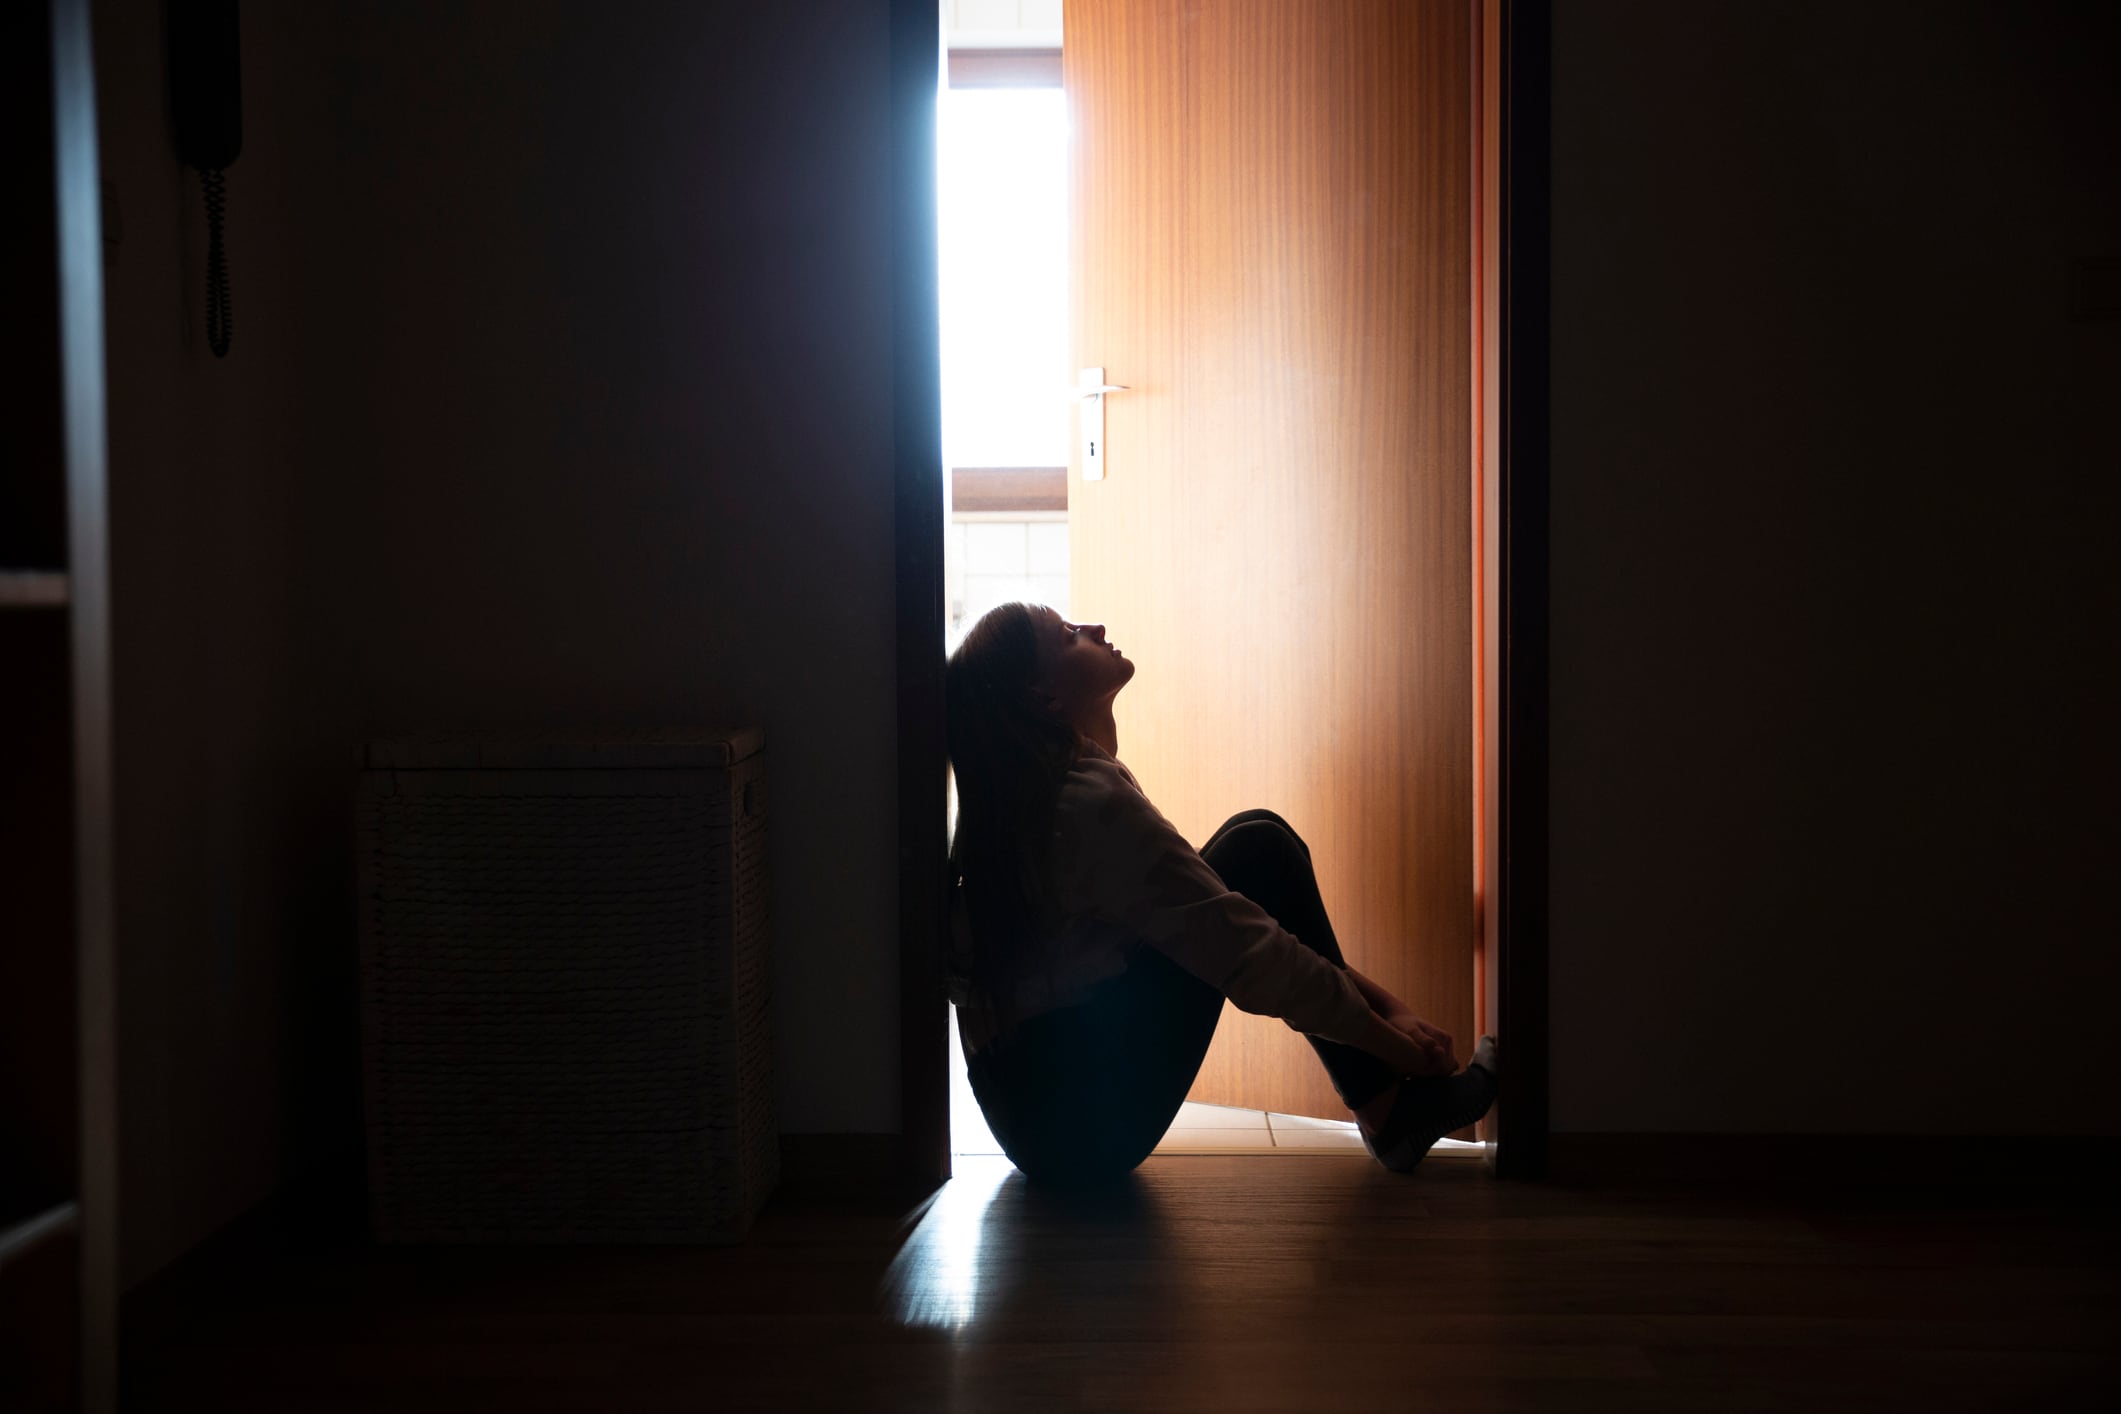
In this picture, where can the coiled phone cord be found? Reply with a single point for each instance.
(220, 314)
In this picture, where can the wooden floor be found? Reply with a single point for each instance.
(1210, 1283)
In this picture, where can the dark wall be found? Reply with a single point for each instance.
(560, 395)
(1834, 597)
(236, 699)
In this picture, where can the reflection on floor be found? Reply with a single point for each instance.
(1199, 1129)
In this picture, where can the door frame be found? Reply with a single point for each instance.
(1519, 796)
(1518, 789)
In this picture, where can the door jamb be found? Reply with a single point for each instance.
(1520, 876)
(918, 508)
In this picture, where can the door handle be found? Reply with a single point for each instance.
(1090, 389)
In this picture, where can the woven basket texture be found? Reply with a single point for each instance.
(565, 1009)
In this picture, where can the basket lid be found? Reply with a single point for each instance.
(700, 747)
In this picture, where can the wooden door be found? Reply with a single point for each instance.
(1271, 248)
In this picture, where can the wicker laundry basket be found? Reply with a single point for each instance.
(564, 987)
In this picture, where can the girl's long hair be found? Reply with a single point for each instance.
(1009, 754)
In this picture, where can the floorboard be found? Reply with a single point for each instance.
(1206, 1283)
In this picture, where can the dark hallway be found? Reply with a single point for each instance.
(580, 383)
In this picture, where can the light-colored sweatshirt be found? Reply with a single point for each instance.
(1124, 875)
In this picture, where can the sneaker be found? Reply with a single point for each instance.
(1429, 1107)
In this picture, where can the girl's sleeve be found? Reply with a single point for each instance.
(1117, 858)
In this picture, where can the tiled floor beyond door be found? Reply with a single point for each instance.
(1198, 1129)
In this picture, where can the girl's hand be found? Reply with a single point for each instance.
(1406, 1053)
(1434, 1036)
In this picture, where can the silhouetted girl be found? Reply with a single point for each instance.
(1092, 946)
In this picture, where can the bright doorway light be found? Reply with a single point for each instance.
(1002, 218)
(1003, 185)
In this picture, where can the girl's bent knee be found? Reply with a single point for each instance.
(1261, 816)
(1263, 835)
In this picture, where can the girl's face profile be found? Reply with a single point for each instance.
(1077, 669)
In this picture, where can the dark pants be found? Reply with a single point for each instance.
(1084, 1093)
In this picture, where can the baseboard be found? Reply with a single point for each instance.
(322, 1205)
(846, 1164)
(1835, 1160)
(327, 1204)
